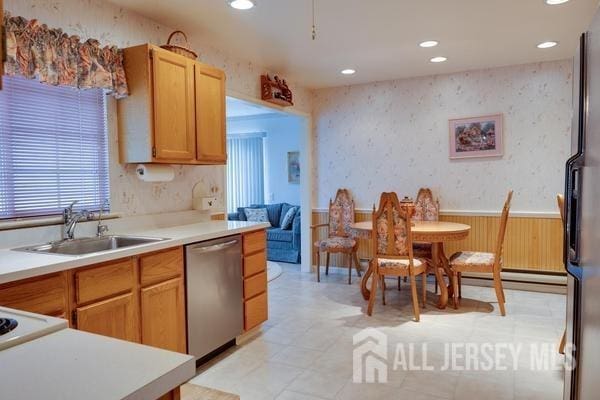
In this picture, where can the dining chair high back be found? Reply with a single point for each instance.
(426, 207)
(473, 261)
(339, 236)
(341, 214)
(392, 248)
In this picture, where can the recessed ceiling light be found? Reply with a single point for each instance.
(438, 59)
(241, 4)
(546, 45)
(348, 71)
(428, 43)
(555, 2)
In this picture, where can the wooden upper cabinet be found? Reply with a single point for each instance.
(174, 119)
(175, 112)
(210, 114)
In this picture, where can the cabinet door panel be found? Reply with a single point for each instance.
(174, 122)
(116, 317)
(210, 114)
(45, 295)
(163, 315)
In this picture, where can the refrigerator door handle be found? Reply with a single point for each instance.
(572, 216)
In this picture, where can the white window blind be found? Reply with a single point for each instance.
(245, 170)
(53, 148)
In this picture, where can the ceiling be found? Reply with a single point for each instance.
(377, 38)
(240, 109)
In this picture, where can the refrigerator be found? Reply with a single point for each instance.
(582, 228)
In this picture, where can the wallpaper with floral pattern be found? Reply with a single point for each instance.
(113, 25)
(393, 136)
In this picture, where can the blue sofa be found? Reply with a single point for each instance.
(282, 245)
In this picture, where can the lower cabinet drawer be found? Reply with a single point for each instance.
(255, 285)
(256, 311)
(46, 295)
(255, 241)
(255, 263)
(162, 266)
(104, 280)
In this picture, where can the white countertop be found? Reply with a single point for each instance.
(71, 364)
(16, 265)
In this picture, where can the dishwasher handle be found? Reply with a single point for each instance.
(215, 247)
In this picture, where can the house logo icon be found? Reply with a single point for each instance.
(369, 357)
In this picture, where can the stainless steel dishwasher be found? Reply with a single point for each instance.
(214, 295)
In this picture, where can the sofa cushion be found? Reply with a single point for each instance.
(273, 210)
(288, 218)
(279, 235)
(256, 214)
(241, 213)
(273, 244)
(285, 207)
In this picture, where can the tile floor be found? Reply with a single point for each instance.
(304, 351)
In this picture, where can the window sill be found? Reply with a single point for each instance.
(35, 222)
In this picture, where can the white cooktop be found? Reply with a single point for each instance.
(30, 326)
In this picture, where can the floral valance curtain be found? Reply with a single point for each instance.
(53, 57)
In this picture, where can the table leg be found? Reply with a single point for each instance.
(366, 293)
(437, 251)
(446, 267)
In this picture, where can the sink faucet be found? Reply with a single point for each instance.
(71, 219)
(101, 229)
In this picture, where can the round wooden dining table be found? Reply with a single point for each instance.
(434, 232)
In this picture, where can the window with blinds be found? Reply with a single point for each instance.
(53, 148)
(245, 170)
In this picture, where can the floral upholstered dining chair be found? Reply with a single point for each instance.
(475, 261)
(339, 237)
(426, 209)
(393, 249)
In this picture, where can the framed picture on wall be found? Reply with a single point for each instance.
(476, 137)
(293, 165)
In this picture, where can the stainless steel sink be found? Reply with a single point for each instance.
(83, 246)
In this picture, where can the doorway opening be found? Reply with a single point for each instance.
(268, 170)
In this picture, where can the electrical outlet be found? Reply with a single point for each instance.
(209, 203)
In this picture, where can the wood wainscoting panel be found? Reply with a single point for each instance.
(531, 244)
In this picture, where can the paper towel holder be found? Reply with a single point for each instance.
(154, 172)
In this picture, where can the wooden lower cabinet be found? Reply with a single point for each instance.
(47, 295)
(116, 317)
(140, 299)
(256, 311)
(163, 315)
(256, 305)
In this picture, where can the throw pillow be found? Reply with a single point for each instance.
(288, 219)
(257, 215)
